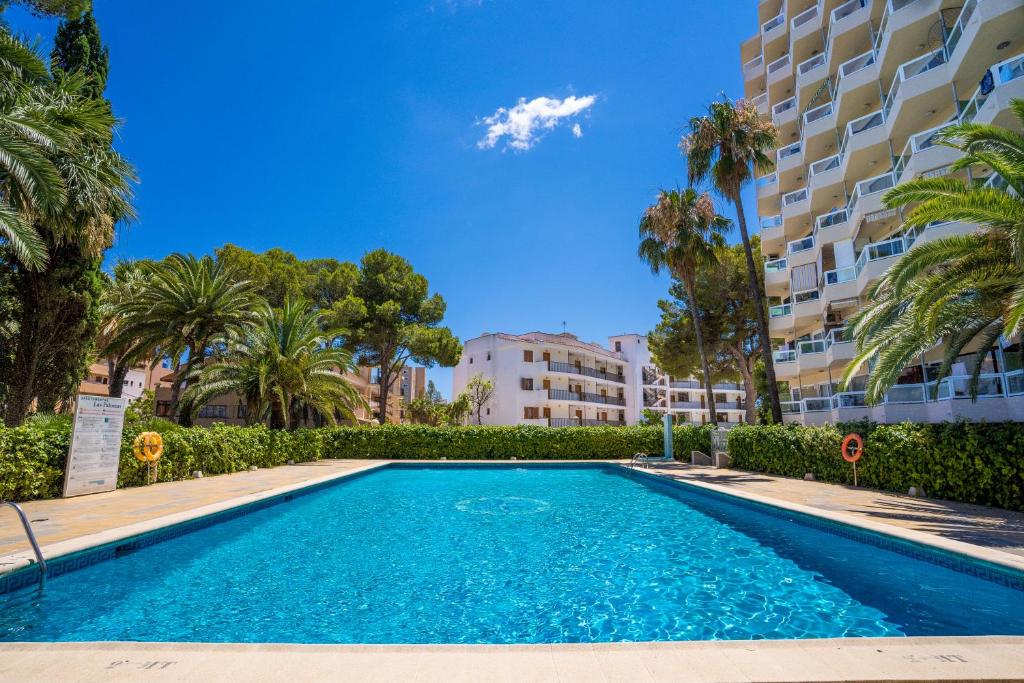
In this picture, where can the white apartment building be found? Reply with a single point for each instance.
(558, 380)
(858, 89)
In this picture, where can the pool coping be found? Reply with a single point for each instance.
(22, 559)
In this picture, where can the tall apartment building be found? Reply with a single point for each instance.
(858, 91)
(558, 380)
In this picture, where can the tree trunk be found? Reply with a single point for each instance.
(762, 320)
(278, 419)
(27, 349)
(184, 416)
(749, 388)
(705, 365)
(386, 373)
(116, 373)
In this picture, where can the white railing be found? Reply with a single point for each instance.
(788, 151)
(818, 113)
(837, 336)
(753, 63)
(829, 220)
(780, 63)
(852, 66)
(775, 21)
(771, 222)
(959, 26)
(784, 356)
(805, 296)
(839, 275)
(918, 142)
(767, 180)
(848, 399)
(843, 12)
(822, 165)
(817, 405)
(1003, 72)
(759, 100)
(805, 348)
(794, 196)
(784, 106)
(1015, 383)
(915, 67)
(858, 126)
(805, 16)
(796, 246)
(780, 311)
(870, 186)
(811, 64)
(882, 250)
(775, 265)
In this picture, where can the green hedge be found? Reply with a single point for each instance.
(32, 456)
(971, 462)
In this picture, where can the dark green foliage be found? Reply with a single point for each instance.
(32, 456)
(77, 47)
(971, 462)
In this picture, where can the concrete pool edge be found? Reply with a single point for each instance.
(18, 561)
(843, 659)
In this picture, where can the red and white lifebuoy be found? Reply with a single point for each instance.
(852, 455)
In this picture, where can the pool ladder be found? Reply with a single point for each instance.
(31, 539)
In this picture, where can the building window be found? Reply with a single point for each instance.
(618, 346)
(526, 383)
(240, 412)
(488, 411)
(527, 355)
(531, 413)
(471, 360)
(488, 355)
(163, 408)
(213, 411)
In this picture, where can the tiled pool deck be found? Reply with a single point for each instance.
(72, 524)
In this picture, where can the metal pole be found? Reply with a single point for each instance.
(666, 422)
(31, 539)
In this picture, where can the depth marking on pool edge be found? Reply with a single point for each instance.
(148, 665)
(943, 659)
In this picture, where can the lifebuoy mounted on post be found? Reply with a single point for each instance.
(851, 450)
(148, 447)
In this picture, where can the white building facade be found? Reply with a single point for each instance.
(858, 90)
(557, 380)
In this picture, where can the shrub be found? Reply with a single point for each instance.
(971, 462)
(32, 456)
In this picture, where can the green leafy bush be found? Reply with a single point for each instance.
(32, 456)
(971, 462)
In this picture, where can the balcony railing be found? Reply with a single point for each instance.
(565, 395)
(917, 143)
(554, 366)
(838, 335)
(780, 63)
(870, 186)
(830, 220)
(822, 165)
(580, 422)
(806, 296)
(784, 106)
(771, 222)
(1003, 72)
(761, 102)
(818, 113)
(753, 64)
(776, 266)
(810, 64)
(780, 311)
(839, 275)
(784, 356)
(812, 346)
(881, 250)
(852, 66)
(767, 180)
(788, 151)
(846, 9)
(796, 246)
(915, 67)
(775, 21)
(959, 26)
(794, 196)
(807, 15)
(858, 126)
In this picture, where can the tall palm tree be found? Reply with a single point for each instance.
(186, 304)
(286, 361)
(966, 290)
(725, 147)
(681, 232)
(128, 281)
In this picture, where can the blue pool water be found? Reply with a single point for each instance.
(508, 555)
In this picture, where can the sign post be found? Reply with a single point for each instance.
(95, 445)
(666, 423)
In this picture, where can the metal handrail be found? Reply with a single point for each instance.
(31, 539)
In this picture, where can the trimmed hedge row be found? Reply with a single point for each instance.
(32, 456)
(970, 462)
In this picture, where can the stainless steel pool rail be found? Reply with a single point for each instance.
(31, 539)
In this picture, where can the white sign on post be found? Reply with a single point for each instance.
(95, 445)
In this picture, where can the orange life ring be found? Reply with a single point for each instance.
(858, 450)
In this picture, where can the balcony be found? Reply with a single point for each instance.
(771, 228)
(761, 103)
(779, 69)
(842, 28)
(801, 251)
(923, 153)
(580, 422)
(899, 91)
(582, 396)
(867, 196)
(832, 227)
(794, 203)
(998, 98)
(573, 369)
(853, 74)
(754, 67)
(784, 112)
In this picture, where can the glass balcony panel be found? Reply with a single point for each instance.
(810, 64)
(839, 275)
(796, 246)
(780, 63)
(783, 107)
(831, 219)
(811, 347)
(823, 165)
(784, 356)
(780, 311)
(766, 180)
(804, 297)
(776, 266)
(791, 407)
(818, 113)
(788, 151)
(817, 405)
(794, 197)
(773, 22)
(805, 16)
(771, 221)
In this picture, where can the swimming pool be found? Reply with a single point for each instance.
(516, 554)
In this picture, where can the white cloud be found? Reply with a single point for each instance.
(527, 122)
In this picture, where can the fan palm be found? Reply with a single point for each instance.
(725, 147)
(186, 304)
(681, 232)
(285, 361)
(966, 290)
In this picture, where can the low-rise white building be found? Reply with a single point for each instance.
(558, 380)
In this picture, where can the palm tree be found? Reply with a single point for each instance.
(186, 304)
(284, 363)
(725, 147)
(966, 290)
(128, 281)
(681, 232)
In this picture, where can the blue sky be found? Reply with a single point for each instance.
(332, 128)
